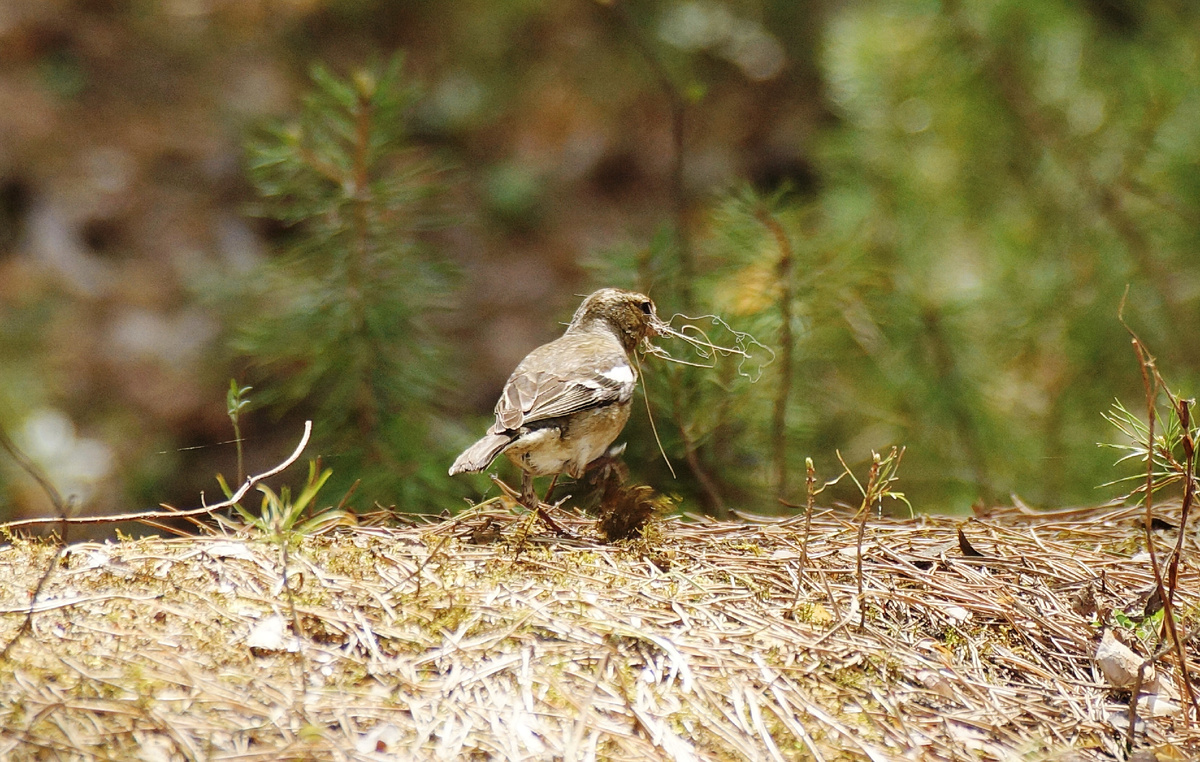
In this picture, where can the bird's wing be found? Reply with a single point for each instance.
(556, 381)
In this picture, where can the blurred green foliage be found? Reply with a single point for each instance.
(1010, 167)
(992, 177)
(930, 211)
(995, 175)
(341, 320)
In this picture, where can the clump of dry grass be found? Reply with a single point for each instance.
(625, 512)
(468, 638)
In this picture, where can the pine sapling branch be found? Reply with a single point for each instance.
(712, 494)
(783, 272)
(677, 105)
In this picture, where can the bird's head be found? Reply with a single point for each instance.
(629, 314)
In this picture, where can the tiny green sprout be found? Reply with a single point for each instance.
(235, 400)
(1168, 450)
(281, 514)
(1145, 628)
(880, 479)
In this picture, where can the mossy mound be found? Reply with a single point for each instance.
(478, 637)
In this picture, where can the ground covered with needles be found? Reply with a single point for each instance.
(472, 638)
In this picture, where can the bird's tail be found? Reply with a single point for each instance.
(481, 454)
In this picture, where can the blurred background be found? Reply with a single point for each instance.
(370, 210)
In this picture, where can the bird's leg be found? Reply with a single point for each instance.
(550, 489)
(529, 496)
(530, 499)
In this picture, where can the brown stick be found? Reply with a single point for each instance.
(1151, 380)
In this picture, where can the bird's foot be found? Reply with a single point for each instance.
(508, 491)
(529, 499)
(555, 527)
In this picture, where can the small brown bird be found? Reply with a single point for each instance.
(569, 399)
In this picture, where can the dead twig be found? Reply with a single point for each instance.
(1151, 383)
(60, 507)
(157, 515)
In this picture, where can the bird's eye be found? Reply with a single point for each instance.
(647, 307)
